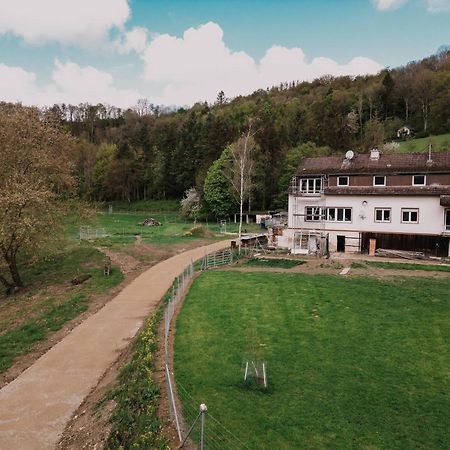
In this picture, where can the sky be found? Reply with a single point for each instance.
(178, 52)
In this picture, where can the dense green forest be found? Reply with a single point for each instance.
(148, 152)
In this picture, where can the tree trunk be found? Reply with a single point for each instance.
(8, 286)
(241, 206)
(425, 115)
(14, 271)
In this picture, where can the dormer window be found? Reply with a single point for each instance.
(419, 180)
(379, 180)
(342, 181)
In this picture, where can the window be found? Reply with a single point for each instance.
(379, 180)
(311, 185)
(447, 219)
(342, 181)
(419, 180)
(339, 214)
(313, 214)
(382, 214)
(410, 215)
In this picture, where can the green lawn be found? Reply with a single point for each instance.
(440, 143)
(352, 363)
(273, 262)
(123, 228)
(409, 266)
(401, 266)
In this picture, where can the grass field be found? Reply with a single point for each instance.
(352, 363)
(401, 266)
(29, 317)
(440, 143)
(123, 228)
(273, 262)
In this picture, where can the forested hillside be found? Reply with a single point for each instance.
(146, 152)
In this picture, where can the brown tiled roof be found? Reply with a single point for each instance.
(382, 190)
(387, 163)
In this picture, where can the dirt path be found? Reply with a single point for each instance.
(35, 407)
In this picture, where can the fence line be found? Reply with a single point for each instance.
(218, 258)
(179, 288)
(213, 435)
(88, 233)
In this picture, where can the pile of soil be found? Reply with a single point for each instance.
(198, 231)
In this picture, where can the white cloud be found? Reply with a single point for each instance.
(133, 40)
(436, 6)
(84, 22)
(16, 84)
(433, 6)
(71, 84)
(198, 65)
(388, 5)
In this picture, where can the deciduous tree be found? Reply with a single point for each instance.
(36, 175)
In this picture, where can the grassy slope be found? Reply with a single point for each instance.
(134, 421)
(440, 143)
(353, 363)
(28, 318)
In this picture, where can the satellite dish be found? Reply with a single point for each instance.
(350, 154)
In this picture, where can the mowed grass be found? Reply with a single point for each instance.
(409, 266)
(123, 228)
(273, 262)
(440, 143)
(352, 363)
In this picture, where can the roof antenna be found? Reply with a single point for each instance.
(430, 147)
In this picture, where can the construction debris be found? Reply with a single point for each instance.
(399, 254)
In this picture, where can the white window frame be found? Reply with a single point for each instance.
(419, 175)
(447, 224)
(306, 188)
(337, 213)
(383, 220)
(343, 177)
(379, 176)
(314, 215)
(409, 211)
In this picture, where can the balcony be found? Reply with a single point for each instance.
(308, 187)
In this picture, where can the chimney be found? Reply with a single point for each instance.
(430, 159)
(374, 154)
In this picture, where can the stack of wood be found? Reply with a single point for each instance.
(399, 254)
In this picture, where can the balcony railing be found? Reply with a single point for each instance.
(307, 186)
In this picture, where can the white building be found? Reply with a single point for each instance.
(401, 200)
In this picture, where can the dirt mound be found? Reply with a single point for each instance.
(198, 231)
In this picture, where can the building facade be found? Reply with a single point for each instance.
(400, 200)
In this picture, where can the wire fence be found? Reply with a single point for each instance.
(185, 411)
(88, 233)
(218, 258)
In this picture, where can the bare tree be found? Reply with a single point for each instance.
(422, 88)
(240, 172)
(404, 87)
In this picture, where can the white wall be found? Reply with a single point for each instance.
(431, 213)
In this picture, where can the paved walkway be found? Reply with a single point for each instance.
(36, 406)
